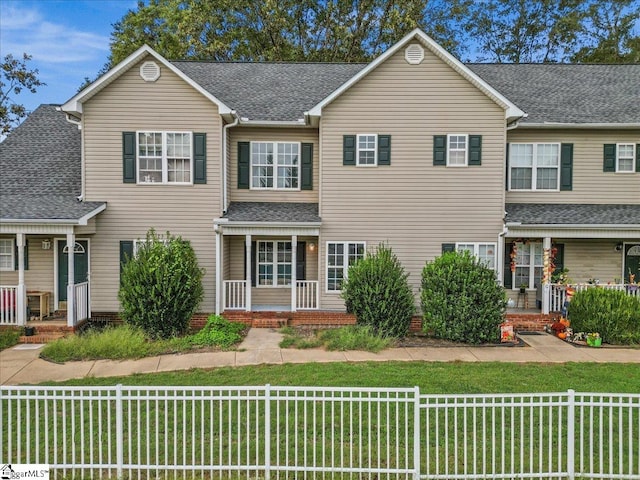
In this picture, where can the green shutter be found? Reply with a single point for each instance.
(559, 260)
(609, 164)
(307, 167)
(254, 263)
(384, 149)
(638, 157)
(439, 150)
(200, 157)
(506, 175)
(448, 247)
(566, 166)
(126, 252)
(301, 261)
(349, 150)
(26, 256)
(244, 167)
(508, 277)
(129, 157)
(475, 149)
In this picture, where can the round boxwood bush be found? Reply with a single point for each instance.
(161, 286)
(461, 299)
(377, 292)
(615, 315)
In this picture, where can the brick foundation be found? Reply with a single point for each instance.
(531, 322)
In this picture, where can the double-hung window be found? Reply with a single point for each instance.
(457, 150)
(534, 166)
(367, 150)
(165, 157)
(275, 165)
(529, 263)
(625, 158)
(7, 260)
(485, 252)
(340, 256)
(274, 263)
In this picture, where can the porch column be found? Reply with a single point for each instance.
(21, 294)
(546, 275)
(71, 241)
(247, 248)
(219, 286)
(294, 264)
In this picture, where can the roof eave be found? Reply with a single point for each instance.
(555, 125)
(81, 221)
(302, 122)
(599, 226)
(74, 104)
(229, 223)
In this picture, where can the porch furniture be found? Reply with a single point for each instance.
(524, 296)
(44, 297)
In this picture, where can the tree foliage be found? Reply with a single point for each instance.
(16, 76)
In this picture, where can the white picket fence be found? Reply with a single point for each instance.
(316, 432)
(559, 292)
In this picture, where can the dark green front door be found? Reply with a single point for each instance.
(632, 261)
(81, 264)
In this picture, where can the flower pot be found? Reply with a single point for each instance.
(594, 342)
(29, 331)
(523, 290)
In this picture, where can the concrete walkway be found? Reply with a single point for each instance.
(22, 365)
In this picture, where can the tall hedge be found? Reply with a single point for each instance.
(161, 286)
(377, 292)
(615, 315)
(461, 299)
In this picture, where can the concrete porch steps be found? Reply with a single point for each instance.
(42, 338)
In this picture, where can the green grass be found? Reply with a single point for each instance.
(9, 338)
(352, 337)
(436, 378)
(125, 342)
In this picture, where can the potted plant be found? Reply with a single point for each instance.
(523, 288)
(594, 339)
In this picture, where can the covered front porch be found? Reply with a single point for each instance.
(267, 257)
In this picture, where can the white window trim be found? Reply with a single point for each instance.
(466, 150)
(138, 241)
(476, 250)
(534, 167)
(275, 166)
(375, 150)
(633, 157)
(345, 264)
(532, 268)
(274, 263)
(165, 162)
(12, 252)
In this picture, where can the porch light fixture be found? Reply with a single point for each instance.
(46, 244)
(618, 246)
(312, 246)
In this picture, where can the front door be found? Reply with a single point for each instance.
(81, 265)
(631, 262)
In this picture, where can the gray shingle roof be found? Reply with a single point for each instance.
(562, 93)
(40, 169)
(272, 212)
(270, 91)
(572, 214)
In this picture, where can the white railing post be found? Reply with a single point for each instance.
(220, 294)
(571, 443)
(267, 431)
(249, 273)
(416, 434)
(294, 272)
(71, 278)
(119, 432)
(21, 292)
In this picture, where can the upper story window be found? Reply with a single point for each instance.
(164, 157)
(7, 260)
(275, 165)
(625, 158)
(457, 150)
(485, 252)
(534, 166)
(367, 150)
(340, 256)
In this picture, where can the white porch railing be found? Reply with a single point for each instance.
(81, 302)
(559, 292)
(235, 295)
(9, 305)
(307, 294)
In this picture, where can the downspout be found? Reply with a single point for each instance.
(224, 158)
(77, 121)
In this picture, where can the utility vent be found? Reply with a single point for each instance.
(414, 54)
(150, 71)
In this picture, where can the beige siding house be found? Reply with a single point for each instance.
(282, 175)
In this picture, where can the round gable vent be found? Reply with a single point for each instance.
(150, 71)
(414, 54)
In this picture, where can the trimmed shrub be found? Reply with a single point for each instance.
(377, 292)
(161, 286)
(461, 299)
(613, 314)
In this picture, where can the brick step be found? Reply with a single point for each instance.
(41, 338)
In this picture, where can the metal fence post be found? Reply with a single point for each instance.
(571, 441)
(416, 434)
(267, 431)
(119, 432)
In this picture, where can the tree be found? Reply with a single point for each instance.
(16, 76)
(608, 33)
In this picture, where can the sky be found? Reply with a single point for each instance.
(68, 40)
